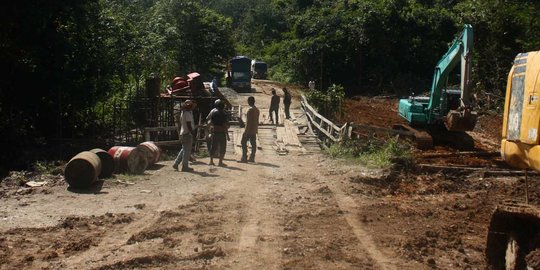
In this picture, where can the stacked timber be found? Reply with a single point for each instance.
(107, 162)
(152, 152)
(82, 170)
(128, 159)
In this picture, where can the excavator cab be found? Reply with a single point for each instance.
(514, 229)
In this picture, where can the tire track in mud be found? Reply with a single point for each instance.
(257, 245)
(350, 209)
(110, 250)
(110, 244)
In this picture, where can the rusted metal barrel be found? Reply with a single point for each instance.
(128, 159)
(152, 151)
(107, 162)
(82, 170)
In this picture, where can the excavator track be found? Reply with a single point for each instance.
(513, 233)
(422, 139)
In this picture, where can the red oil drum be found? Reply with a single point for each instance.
(128, 159)
(82, 170)
(107, 162)
(152, 151)
(180, 85)
(177, 79)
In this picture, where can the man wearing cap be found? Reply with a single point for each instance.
(187, 128)
(220, 127)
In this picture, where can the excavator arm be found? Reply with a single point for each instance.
(424, 111)
(459, 50)
(462, 118)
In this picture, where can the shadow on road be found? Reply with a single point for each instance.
(233, 168)
(204, 174)
(265, 164)
(94, 189)
(155, 167)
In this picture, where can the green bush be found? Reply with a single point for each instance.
(374, 153)
(328, 103)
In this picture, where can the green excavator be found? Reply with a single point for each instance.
(450, 108)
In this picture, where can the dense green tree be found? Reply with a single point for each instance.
(502, 30)
(65, 57)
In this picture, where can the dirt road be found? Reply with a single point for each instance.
(291, 209)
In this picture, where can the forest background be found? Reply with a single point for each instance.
(66, 59)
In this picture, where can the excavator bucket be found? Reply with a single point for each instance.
(514, 237)
(460, 120)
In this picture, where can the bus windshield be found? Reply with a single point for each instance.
(241, 75)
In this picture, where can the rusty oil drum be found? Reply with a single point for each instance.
(82, 170)
(107, 162)
(152, 151)
(128, 159)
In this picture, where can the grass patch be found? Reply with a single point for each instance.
(47, 167)
(374, 153)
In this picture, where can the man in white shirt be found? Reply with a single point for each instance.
(187, 132)
(311, 85)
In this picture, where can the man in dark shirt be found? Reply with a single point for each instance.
(220, 127)
(274, 106)
(287, 102)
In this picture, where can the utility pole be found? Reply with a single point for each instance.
(321, 72)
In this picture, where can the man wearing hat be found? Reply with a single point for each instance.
(187, 132)
(220, 126)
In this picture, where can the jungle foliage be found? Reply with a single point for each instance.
(381, 46)
(65, 60)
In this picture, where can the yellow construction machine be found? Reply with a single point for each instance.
(514, 229)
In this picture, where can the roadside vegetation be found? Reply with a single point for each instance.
(374, 153)
(329, 102)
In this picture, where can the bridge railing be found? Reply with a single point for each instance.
(328, 132)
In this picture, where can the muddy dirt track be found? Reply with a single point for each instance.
(293, 209)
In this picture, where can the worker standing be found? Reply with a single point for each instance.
(274, 107)
(250, 132)
(287, 102)
(311, 85)
(220, 128)
(214, 86)
(186, 124)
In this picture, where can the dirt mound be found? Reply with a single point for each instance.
(412, 183)
(27, 247)
(16, 182)
(155, 233)
(383, 112)
(141, 262)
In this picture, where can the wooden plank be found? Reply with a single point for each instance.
(485, 171)
(459, 154)
(381, 129)
(168, 143)
(154, 129)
